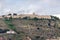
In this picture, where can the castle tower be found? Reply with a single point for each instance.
(33, 13)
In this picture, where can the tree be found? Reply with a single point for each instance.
(14, 14)
(54, 17)
(37, 37)
(26, 17)
(35, 18)
(10, 18)
(9, 14)
(3, 15)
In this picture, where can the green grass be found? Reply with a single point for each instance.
(10, 25)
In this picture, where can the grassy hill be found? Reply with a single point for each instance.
(37, 29)
(3, 25)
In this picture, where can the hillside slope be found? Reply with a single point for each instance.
(38, 29)
(3, 25)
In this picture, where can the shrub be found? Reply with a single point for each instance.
(54, 17)
(14, 14)
(26, 17)
(35, 18)
(37, 37)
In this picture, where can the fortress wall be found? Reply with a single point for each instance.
(38, 16)
(30, 15)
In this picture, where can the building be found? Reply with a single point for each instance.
(29, 15)
(34, 15)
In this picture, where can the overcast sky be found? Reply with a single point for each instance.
(42, 7)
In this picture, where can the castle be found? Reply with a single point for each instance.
(34, 15)
(28, 15)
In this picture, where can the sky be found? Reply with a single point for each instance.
(40, 7)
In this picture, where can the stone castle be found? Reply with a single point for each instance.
(28, 15)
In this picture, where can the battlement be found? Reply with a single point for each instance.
(28, 15)
(34, 15)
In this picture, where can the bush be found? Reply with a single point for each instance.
(26, 17)
(14, 14)
(54, 17)
(9, 14)
(10, 18)
(37, 37)
(35, 18)
(10, 24)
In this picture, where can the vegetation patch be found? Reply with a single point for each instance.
(9, 23)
